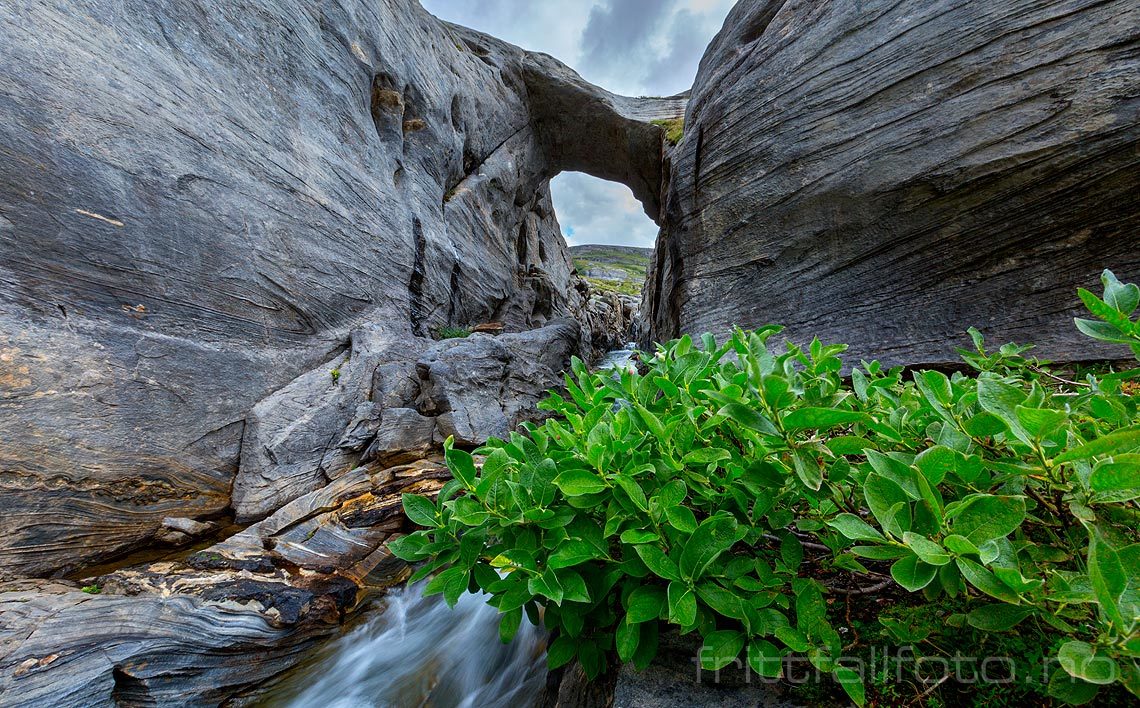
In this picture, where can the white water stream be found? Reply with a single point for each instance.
(418, 652)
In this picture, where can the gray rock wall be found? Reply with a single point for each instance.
(888, 173)
(199, 201)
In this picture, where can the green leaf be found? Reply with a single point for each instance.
(749, 418)
(571, 552)
(795, 639)
(960, 545)
(912, 573)
(546, 585)
(856, 529)
(1072, 691)
(998, 617)
(791, 550)
(420, 510)
(1120, 296)
(657, 562)
(1001, 399)
(409, 548)
(1106, 573)
(928, 551)
(896, 471)
(651, 422)
(634, 536)
(880, 552)
(935, 462)
(509, 625)
(667, 387)
(576, 483)
(1040, 422)
(705, 456)
(681, 518)
(1118, 473)
(1111, 444)
(852, 683)
(888, 503)
(561, 652)
(807, 469)
(634, 490)
(626, 638)
(1080, 660)
(713, 536)
(682, 604)
(764, 658)
(645, 603)
(451, 582)
(460, 463)
(1102, 331)
(720, 649)
(983, 517)
(822, 418)
(985, 581)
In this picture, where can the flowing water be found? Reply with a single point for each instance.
(416, 651)
(617, 358)
(419, 652)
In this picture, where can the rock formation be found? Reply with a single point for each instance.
(888, 173)
(202, 630)
(202, 202)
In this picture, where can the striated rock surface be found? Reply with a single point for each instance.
(201, 202)
(203, 630)
(888, 173)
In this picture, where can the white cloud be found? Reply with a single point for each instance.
(591, 210)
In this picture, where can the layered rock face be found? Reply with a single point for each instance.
(200, 202)
(888, 173)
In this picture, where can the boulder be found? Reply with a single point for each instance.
(889, 173)
(392, 402)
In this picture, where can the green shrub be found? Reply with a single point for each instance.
(682, 496)
(452, 333)
(674, 129)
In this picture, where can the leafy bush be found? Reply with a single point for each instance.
(452, 333)
(674, 128)
(682, 495)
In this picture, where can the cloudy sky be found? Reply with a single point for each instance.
(632, 47)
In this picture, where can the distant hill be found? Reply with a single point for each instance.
(618, 269)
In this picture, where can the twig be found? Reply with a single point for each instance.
(805, 544)
(870, 589)
(930, 690)
(1057, 378)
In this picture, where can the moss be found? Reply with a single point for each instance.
(674, 129)
(92, 589)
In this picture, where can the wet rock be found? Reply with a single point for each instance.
(889, 173)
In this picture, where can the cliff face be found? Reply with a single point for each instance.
(888, 173)
(199, 202)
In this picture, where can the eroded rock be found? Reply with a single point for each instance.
(198, 631)
(889, 173)
(201, 202)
